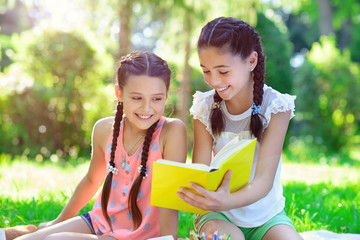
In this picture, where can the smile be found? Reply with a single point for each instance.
(144, 117)
(222, 89)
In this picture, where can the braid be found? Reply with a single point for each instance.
(216, 116)
(134, 191)
(256, 126)
(107, 185)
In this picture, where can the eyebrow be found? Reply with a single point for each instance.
(218, 66)
(151, 94)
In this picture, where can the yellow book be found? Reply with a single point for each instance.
(169, 176)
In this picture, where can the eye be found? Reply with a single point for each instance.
(136, 98)
(157, 98)
(224, 73)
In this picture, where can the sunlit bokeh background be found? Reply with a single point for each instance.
(57, 68)
(57, 61)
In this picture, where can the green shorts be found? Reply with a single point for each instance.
(256, 233)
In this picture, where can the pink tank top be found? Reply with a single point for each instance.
(118, 210)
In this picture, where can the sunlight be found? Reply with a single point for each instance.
(14, 80)
(62, 15)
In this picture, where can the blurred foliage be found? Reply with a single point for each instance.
(14, 18)
(355, 41)
(277, 48)
(302, 32)
(327, 86)
(55, 114)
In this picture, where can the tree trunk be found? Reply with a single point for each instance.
(344, 34)
(125, 14)
(326, 17)
(185, 84)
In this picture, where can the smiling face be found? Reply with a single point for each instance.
(229, 75)
(143, 99)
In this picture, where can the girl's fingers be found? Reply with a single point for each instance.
(226, 180)
(205, 199)
(189, 194)
(199, 189)
(191, 198)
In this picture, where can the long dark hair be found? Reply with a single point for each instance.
(134, 64)
(240, 39)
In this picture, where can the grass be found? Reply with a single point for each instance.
(36, 192)
(323, 206)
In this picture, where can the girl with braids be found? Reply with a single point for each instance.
(123, 150)
(240, 104)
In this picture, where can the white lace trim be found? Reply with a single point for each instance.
(280, 103)
(200, 108)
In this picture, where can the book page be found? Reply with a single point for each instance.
(231, 147)
(197, 166)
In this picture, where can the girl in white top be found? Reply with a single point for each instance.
(231, 58)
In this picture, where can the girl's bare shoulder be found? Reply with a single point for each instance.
(102, 130)
(174, 140)
(173, 125)
(173, 129)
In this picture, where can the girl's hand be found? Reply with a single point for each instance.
(209, 200)
(46, 224)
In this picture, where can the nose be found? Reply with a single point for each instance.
(213, 80)
(146, 105)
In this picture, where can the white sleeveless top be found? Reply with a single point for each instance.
(261, 211)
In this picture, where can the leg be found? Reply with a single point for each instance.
(76, 236)
(73, 225)
(282, 232)
(222, 226)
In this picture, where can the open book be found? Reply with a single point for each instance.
(169, 176)
(167, 237)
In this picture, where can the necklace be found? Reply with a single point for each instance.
(123, 162)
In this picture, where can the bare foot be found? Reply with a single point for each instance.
(17, 231)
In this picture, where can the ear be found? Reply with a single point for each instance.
(118, 93)
(253, 59)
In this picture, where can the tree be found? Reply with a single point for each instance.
(326, 17)
(125, 17)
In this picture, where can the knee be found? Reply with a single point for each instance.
(210, 226)
(222, 227)
(55, 236)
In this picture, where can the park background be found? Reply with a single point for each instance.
(57, 76)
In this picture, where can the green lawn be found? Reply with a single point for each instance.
(33, 193)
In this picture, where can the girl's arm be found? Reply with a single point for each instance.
(174, 149)
(94, 177)
(268, 160)
(203, 142)
(267, 164)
